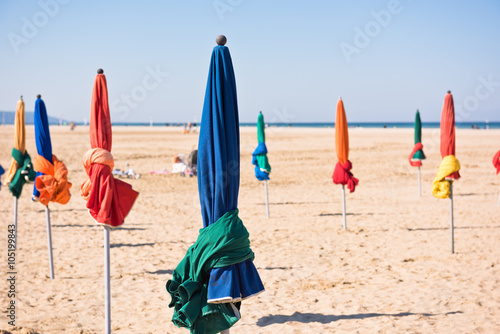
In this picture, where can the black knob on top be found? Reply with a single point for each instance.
(39, 96)
(449, 92)
(221, 40)
(100, 71)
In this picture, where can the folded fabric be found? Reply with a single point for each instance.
(21, 171)
(261, 162)
(53, 185)
(441, 187)
(416, 162)
(223, 243)
(496, 161)
(109, 200)
(2, 171)
(342, 175)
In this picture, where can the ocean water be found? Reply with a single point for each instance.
(401, 125)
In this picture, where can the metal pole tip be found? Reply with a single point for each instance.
(100, 71)
(221, 40)
(449, 92)
(39, 96)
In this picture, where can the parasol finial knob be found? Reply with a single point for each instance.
(221, 40)
(21, 97)
(449, 92)
(39, 96)
(100, 71)
(340, 98)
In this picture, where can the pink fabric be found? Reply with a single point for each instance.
(342, 175)
(496, 161)
(415, 163)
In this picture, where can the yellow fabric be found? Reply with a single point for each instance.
(440, 186)
(19, 140)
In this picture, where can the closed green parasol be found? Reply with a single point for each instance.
(259, 157)
(419, 155)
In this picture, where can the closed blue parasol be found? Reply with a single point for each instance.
(44, 149)
(219, 173)
(217, 271)
(42, 136)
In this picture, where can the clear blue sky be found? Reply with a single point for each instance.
(290, 57)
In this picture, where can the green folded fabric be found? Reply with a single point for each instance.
(25, 173)
(263, 162)
(221, 244)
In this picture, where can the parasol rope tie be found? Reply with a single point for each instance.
(440, 186)
(91, 157)
(496, 161)
(53, 185)
(416, 148)
(342, 175)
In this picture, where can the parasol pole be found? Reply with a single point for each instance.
(267, 199)
(451, 219)
(419, 183)
(343, 207)
(15, 222)
(107, 282)
(49, 242)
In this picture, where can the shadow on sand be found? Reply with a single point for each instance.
(325, 319)
(161, 272)
(347, 214)
(447, 228)
(132, 245)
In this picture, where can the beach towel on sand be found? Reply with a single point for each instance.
(221, 244)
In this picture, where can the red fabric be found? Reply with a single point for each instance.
(416, 163)
(448, 131)
(100, 120)
(496, 161)
(342, 175)
(109, 201)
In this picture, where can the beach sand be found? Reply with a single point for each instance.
(391, 271)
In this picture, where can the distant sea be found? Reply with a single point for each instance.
(7, 117)
(401, 125)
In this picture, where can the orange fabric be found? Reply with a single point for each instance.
(109, 200)
(341, 134)
(496, 161)
(448, 131)
(415, 163)
(19, 139)
(54, 185)
(94, 156)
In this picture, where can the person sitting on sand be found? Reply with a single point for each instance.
(179, 164)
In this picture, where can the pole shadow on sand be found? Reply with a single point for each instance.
(447, 228)
(325, 319)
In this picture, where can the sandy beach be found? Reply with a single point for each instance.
(391, 271)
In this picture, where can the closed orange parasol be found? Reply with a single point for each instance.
(342, 172)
